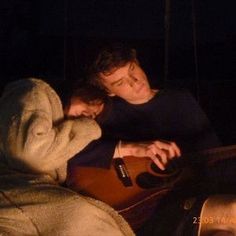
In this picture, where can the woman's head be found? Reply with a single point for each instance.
(85, 100)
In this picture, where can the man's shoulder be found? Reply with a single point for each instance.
(175, 93)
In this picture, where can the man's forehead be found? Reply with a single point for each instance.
(112, 78)
(115, 71)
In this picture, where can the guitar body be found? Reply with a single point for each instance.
(135, 202)
(134, 186)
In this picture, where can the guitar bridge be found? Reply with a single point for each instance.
(122, 172)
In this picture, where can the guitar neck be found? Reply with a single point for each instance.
(211, 156)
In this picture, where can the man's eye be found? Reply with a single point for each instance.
(119, 83)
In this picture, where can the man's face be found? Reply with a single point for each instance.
(128, 82)
(79, 108)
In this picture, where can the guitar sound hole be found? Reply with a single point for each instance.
(146, 180)
(172, 167)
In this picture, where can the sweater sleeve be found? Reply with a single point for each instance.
(98, 153)
(197, 131)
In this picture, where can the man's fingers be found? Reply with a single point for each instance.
(160, 152)
(157, 161)
(170, 147)
(176, 148)
(163, 154)
(159, 156)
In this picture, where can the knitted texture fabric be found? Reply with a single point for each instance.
(34, 137)
(35, 145)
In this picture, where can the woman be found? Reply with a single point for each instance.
(35, 144)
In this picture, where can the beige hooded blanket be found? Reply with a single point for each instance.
(35, 145)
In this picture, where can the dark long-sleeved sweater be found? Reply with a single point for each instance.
(172, 115)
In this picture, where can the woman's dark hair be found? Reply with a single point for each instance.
(81, 89)
(88, 93)
(85, 92)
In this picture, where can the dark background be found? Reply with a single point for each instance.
(189, 44)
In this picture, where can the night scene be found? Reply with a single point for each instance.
(117, 118)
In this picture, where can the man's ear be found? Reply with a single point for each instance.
(111, 94)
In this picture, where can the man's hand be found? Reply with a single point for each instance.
(159, 151)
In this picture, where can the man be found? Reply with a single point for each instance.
(139, 113)
(35, 144)
(143, 121)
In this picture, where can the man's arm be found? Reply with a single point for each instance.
(199, 134)
(101, 152)
(98, 153)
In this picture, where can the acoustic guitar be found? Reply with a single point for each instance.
(134, 186)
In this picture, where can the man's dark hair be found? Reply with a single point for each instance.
(109, 59)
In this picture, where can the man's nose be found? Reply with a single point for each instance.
(132, 81)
